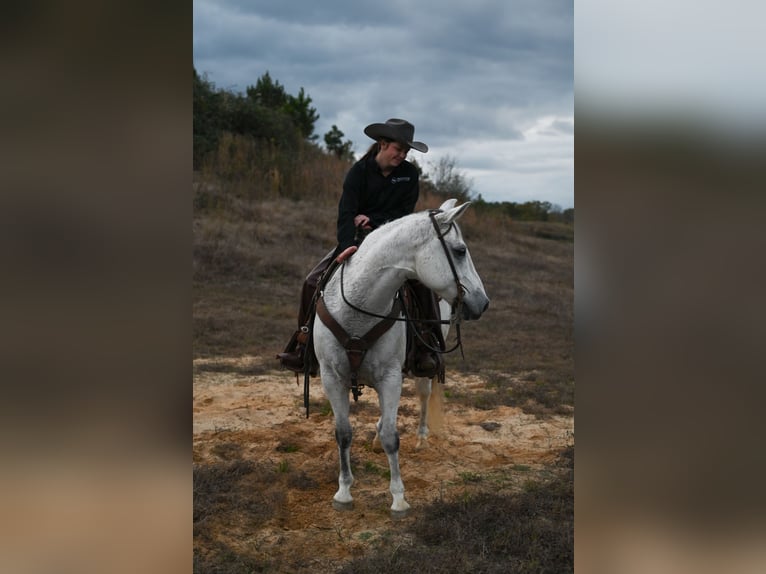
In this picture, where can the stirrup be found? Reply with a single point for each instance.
(293, 361)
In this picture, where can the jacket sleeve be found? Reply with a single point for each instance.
(348, 206)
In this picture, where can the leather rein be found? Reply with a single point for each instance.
(457, 304)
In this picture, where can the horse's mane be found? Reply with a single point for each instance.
(391, 230)
(403, 233)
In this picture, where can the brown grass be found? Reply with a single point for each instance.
(250, 259)
(252, 249)
(531, 531)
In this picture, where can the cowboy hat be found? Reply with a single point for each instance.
(397, 130)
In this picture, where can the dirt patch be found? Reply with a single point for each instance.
(253, 420)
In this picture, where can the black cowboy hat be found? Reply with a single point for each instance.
(397, 130)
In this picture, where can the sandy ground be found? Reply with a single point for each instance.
(264, 414)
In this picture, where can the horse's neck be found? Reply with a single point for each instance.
(372, 277)
(372, 288)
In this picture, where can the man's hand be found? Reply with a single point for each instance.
(362, 221)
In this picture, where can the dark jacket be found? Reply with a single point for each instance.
(382, 199)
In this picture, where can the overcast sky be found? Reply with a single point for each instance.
(487, 82)
(696, 58)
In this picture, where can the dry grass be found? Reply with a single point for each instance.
(258, 170)
(531, 531)
(250, 259)
(252, 250)
(524, 344)
(495, 525)
(249, 264)
(224, 497)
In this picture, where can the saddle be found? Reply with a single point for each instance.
(302, 337)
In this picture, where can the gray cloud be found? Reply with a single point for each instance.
(479, 74)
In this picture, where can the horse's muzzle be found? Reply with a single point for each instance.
(473, 310)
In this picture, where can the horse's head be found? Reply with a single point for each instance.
(444, 264)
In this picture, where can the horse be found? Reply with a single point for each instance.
(427, 246)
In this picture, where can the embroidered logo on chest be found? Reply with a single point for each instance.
(399, 179)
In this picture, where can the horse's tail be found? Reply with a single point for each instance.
(436, 407)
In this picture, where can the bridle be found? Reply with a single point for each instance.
(457, 304)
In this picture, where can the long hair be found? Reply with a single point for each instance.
(373, 150)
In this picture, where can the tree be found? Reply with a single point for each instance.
(267, 93)
(450, 182)
(271, 94)
(303, 115)
(207, 117)
(264, 112)
(529, 210)
(247, 118)
(335, 144)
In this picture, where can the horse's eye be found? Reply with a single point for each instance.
(459, 250)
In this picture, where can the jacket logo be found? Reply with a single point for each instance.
(398, 179)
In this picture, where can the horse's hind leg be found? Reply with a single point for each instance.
(423, 386)
(376, 446)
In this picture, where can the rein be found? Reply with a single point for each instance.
(456, 305)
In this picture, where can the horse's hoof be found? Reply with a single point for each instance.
(343, 506)
(422, 443)
(399, 514)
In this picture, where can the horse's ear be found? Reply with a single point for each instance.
(449, 204)
(447, 217)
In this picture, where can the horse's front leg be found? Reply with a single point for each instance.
(338, 395)
(389, 393)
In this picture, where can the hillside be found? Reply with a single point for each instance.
(250, 259)
(494, 486)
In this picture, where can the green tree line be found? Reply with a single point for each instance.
(528, 210)
(268, 135)
(264, 112)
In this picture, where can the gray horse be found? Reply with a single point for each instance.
(427, 246)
